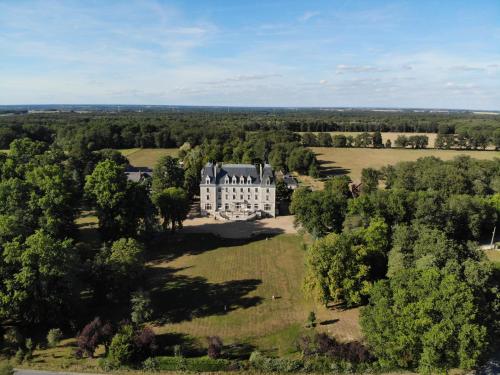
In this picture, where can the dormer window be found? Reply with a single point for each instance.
(234, 179)
(268, 181)
(242, 180)
(207, 181)
(226, 180)
(249, 180)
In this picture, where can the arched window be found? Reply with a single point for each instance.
(226, 180)
(234, 179)
(207, 180)
(242, 180)
(249, 180)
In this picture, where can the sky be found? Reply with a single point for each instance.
(354, 53)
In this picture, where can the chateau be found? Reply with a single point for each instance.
(237, 191)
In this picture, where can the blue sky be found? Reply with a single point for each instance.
(436, 54)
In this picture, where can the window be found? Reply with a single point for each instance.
(219, 190)
(249, 190)
(219, 206)
(242, 180)
(249, 206)
(208, 197)
(227, 189)
(208, 206)
(207, 180)
(256, 197)
(234, 197)
(238, 206)
(267, 197)
(267, 207)
(226, 206)
(226, 180)
(256, 190)
(256, 206)
(241, 190)
(249, 181)
(268, 181)
(234, 190)
(227, 197)
(248, 196)
(208, 190)
(234, 179)
(241, 197)
(267, 190)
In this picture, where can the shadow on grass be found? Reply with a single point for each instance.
(326, 169)
(178, 298)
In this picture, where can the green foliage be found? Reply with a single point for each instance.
(121, 350)
(167, 173)
(369, 180)
(141, 307)
(321, 212)
(342, 267)
(173, 204)
(202, 364)
(6, 368)
(54, 336)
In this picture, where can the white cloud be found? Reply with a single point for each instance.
(308, 15)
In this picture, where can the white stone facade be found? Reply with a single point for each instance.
(237, 191)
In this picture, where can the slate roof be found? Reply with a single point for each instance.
(237, 170)
(136, 174)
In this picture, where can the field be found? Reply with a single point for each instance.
(212, 286)
(147, 157)
(387, 135)
(336, 161)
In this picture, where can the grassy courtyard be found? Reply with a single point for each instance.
(147, 157)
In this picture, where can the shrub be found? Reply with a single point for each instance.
(202, 364)
(54, 336)
(214, 347)
(121, 350)
(141, 307)
(311, 319)
(267, 364)
(92, 335)
(20, 355)
(29, 349)
(6, 369)
(13, 338)
(151, 364)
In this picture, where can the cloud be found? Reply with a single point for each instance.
(243, 78)
(323, 82)
(467, 68)
(308, 15)
(342, 68)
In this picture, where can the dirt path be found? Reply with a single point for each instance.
(240, 229)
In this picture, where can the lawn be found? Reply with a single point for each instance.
(147, 157)
(203, 285)
(336, 161)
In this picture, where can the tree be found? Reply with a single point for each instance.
(39, 285)
(342, 267)
(283, 193)
(167, 173)
(425, 318)
(125, 261)
(92, 335)
(340, 140)
(141, 307)
(106, 188)
(377, 139)
(369, 180)
(325, 140)
(173, 205)
(309, 140)
(401, 141)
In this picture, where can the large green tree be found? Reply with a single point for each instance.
(173, 204)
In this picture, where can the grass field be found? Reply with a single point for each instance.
(147, 157)
(211, 286)
(336, 161)
(387, 135)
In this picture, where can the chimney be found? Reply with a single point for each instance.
(215, 172)
(260, 166)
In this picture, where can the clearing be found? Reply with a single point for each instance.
(147, 157)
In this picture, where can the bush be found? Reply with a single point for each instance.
(20, 355)
(203, 364)
(121, 350)
(54, 337)
(268, 364)
(6, 369)
(28, 356)
(214, 347)
(151, 365)
(13, 338)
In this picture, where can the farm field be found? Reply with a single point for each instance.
(147, 157)
(386, 135)
(337, 161)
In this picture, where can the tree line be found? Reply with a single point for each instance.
(164, 129)
(406, 253)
